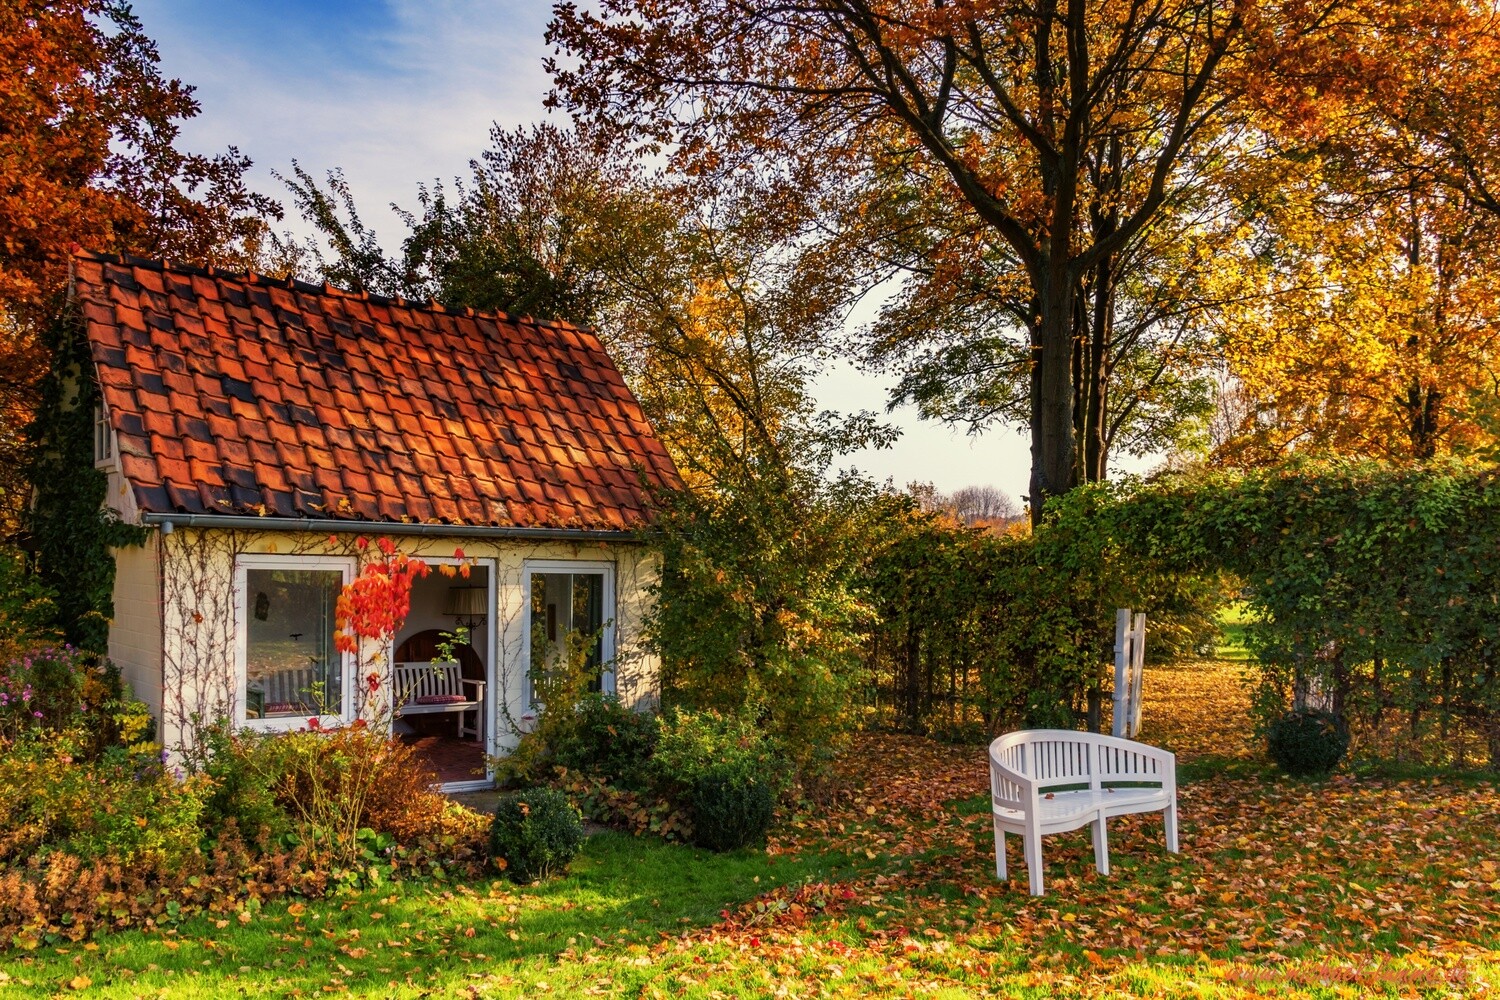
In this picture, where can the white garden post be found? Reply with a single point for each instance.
(1130, 664)
(1137, 672)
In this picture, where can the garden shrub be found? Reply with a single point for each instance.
(124, 808)
(333, 784)
(536, 832)
(241, 769)
(604, 738)
(763, 601)
(60, 688)
(730, 812)
(1308, 742)
(728, 769)
(345, 793)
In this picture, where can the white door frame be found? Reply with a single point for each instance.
(605, 568)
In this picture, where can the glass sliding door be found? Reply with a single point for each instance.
(571, 609)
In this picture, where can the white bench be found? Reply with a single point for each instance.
(285, 692)
(1054, 780)
(428, 688)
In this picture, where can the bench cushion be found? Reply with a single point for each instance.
(440, 699)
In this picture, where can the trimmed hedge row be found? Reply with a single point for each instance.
(1374, 590)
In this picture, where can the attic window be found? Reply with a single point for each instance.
(104, 450)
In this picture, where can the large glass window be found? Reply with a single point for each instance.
(571, 619)
(291, 669)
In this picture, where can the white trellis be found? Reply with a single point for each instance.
(1130, 663)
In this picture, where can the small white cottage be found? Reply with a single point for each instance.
(260, 428)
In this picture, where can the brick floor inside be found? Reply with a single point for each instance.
(450, 758)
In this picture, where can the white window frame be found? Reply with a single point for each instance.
(608, 611)
(104, 438)
(242, 566)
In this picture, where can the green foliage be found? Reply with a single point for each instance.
(242, 770)
(28, 609)
(1374, 584)
(729, 771)
(560, 678)
(122, 807)
(1308, 742)
(603, 738)
(68, 523)
(761, 603)
(698, 745)
(730, 813)
(536, 832)
(980, 632)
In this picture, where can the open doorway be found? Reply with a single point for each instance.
(442, 675)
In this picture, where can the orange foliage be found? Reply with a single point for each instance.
(374, 604)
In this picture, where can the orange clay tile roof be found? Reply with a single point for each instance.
(238, 394)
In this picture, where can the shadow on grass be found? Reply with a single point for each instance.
(414, 938)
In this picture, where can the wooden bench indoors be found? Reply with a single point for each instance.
(427, 688)
(1053, 780)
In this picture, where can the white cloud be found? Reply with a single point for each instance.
(408, 97)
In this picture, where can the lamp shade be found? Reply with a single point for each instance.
(467, 602)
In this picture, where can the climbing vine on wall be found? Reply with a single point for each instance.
(71, 530)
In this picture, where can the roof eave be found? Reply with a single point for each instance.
(308, 524)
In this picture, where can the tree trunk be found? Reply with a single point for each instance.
(1095, 376)
(1054, 469)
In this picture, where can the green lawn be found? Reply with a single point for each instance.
(1232, 620)
(622, 895)
(1351, 886)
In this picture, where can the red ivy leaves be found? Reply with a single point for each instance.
(374, 604)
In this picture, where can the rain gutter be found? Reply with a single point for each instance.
(168, 522)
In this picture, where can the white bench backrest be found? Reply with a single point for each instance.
(427, 680)
(1053, 758)
(1118, 763)
(290, 687)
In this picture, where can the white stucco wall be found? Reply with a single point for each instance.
(135, 632)
(199, 607)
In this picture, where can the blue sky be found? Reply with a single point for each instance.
(400, 91)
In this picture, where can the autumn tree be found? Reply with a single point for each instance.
(1372, 330)
(1058, 128)
(89, 156)
(528, 231)
(1361, 311)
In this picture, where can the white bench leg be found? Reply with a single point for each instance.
(1033, 843)
(1101, 847)
(1000, 852)
(1169, 821)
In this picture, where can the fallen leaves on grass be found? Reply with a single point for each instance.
(1343, 873)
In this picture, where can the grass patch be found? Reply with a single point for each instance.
(1233, 619)
(622, 895)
